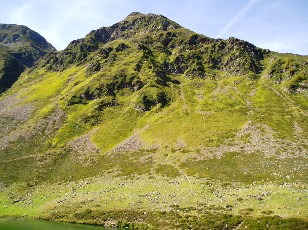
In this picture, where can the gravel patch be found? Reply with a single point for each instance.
(86, 152)
(259, 138)
(11, 107)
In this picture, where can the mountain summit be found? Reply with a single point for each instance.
(146, 124)
(190, 52)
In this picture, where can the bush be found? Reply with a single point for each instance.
(152, 97)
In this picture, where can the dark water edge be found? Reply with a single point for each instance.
(26, 224)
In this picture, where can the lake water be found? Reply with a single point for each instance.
(44, 225)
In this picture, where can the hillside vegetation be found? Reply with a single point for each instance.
(146, 124)
(20, 47)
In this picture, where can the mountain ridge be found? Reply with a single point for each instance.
(231, 55)
(20, 48)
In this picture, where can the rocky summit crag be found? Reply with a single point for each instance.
(145, 124)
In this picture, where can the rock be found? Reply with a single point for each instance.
(121, 47)
(259, 198)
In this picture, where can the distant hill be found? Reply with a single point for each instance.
(20, 47)
(146, 124)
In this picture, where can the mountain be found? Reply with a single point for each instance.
(20, 47)
(146, 124)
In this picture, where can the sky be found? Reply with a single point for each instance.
(278, 25)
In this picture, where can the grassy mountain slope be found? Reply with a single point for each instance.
(146, 119)
(20, 47)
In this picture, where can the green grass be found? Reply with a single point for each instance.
(248, 168)
(49, 85)
(76, 124)
(194, 130)
(94, 200)
(273, 110)
(117, 126)
(167, 170)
